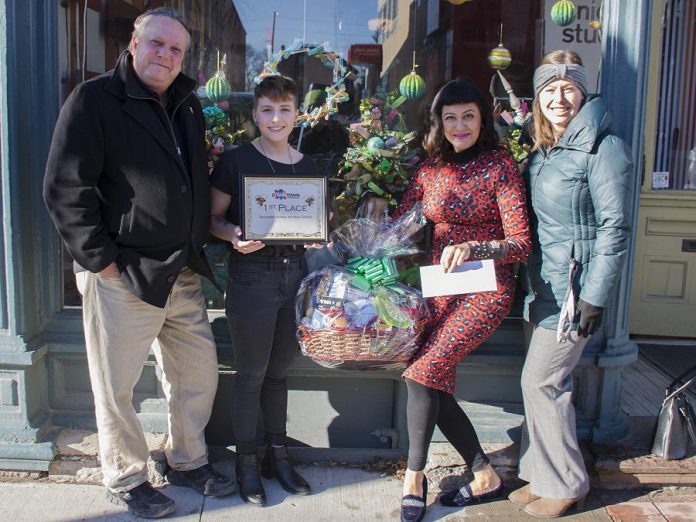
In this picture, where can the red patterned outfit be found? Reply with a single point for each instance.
(477, 198)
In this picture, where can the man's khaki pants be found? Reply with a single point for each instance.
(120, 329)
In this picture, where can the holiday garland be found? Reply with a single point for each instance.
(218, 131)
(335, 93)
(381, 156)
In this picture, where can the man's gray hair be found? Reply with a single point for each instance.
(169, 12)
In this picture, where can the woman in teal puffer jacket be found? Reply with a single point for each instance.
(579, 179)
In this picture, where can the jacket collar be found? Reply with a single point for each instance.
(582, 132)
(125, 83)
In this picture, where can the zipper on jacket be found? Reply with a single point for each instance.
(166, 117)
(536, 182)
(545, 156)
(171, 133)
(541, 166)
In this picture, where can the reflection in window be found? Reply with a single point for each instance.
(675, 147)
(388, 11)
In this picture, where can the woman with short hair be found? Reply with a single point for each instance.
(260, 297)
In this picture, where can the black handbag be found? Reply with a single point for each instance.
(676, 422)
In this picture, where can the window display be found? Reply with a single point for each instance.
(365, 71)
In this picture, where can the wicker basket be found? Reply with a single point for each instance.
(335, 348)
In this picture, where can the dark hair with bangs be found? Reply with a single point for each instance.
(276, 88)
(461, 90)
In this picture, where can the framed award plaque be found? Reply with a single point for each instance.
(284, 210)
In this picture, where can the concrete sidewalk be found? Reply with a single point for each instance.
(340, 493)
(354, 484)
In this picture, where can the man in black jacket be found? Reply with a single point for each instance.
(127, 187)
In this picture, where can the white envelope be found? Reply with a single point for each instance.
(468, 278)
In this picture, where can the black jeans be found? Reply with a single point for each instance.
(260, 310)
(427, 407)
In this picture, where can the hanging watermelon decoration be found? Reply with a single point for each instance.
(499, 58)
(412, 86)
(563, 13)
(217, 88)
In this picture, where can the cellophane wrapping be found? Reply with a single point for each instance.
(358, 316)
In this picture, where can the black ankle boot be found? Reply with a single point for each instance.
(278, 463)
(250, 487)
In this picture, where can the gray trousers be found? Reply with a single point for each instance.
(550, 459)
(120, 330)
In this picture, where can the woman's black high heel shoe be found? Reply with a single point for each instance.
(413, 506)
(250, 487)
(278, 463)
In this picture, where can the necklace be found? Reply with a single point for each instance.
(269, 161)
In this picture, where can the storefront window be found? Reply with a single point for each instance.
(675, 137)
(370, 45)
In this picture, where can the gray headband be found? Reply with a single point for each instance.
(550, 72)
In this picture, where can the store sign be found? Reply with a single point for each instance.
(365, 53)
(584, 36)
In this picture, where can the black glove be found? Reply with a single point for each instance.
(590, 318)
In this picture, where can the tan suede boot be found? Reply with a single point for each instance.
(522, 496)
(553, 507)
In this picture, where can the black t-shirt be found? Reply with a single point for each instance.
(247, 159)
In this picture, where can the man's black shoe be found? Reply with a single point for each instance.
(143, 501)
(205, 480)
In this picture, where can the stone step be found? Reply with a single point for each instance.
(627, 464)
(495, 423)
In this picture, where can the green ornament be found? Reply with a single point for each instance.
(375, 188)
(563, 13)
(499, 58)
(217, 88)
(412, 86)
(384, 166)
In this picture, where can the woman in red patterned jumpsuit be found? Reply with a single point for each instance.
(474, 195)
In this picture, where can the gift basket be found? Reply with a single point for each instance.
(359, 316)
